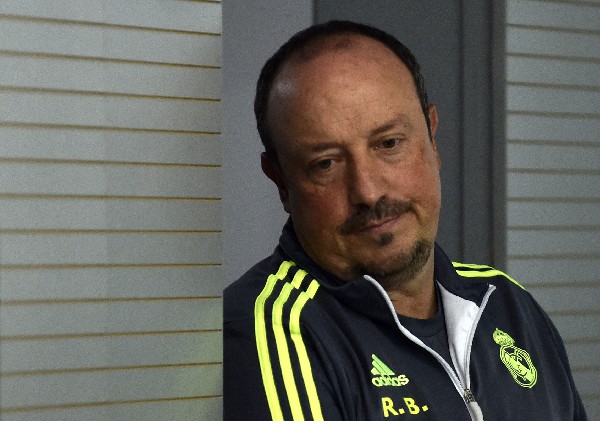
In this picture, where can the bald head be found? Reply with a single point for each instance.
(323, 39)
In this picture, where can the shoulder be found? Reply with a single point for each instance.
(507, 290)
(239, 296)
(252, 279)
(510, 297)
(492, 275)
(270, 285)
(471, 280)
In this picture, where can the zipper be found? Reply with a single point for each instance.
(464, 390)
(469, 397)
(467, 361)
(473, 406)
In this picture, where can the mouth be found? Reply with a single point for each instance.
(379, 219)
(381, 225)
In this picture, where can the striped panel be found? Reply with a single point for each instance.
(126, 78)
(35, 319)
(118, 213)
(553, 215)
(50, 355)
(531, 155)
(554, 14)
(110, 210)
(553, 160)
(535, 70)
(208, 408)
(533, 41)
(19, 178)
(558, 298)
(178, 16)
(95, 282)
(24, 107)
(122, 248)
(43, 142)
(114, 385)
(273, 334)
(584, 355)
(551, 184)
(577, 326)
(567, 241)
(552, 128)
(549, 270)
(551, 100)
(27, 36)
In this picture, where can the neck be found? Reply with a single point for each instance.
(416, 298)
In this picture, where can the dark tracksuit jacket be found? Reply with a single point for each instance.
(300, 344)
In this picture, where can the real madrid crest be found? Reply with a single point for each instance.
(517, 360)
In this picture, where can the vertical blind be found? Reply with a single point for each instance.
(110, 210)
(553, 130)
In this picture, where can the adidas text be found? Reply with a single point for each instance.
(381, 381)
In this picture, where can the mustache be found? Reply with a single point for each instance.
(365, 215)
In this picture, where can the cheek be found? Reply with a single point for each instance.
(431, 194)
(318, 210)
(422, 187)
(430, 189)
(419, 181)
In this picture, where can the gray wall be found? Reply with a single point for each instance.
(553, 162)
(110, 211)
(253, 215)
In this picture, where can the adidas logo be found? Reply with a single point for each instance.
(384, 376)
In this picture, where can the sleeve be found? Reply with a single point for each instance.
(281, 381)
(579, 413)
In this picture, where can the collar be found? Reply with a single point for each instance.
(357, 292)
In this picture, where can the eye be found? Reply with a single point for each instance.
(322, 170)
(390, 143)
(324, 164)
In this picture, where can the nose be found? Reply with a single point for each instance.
(365, 182)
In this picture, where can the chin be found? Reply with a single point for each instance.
(395, 267)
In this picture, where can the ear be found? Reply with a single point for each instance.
(273, 171)
(433, 120)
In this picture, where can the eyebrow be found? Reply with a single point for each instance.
(399, 120)
(324, 147)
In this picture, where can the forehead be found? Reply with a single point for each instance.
(332, 47)
(341, 72)
(342, 60)
(328, 44)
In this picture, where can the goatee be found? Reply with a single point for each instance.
(400, 268)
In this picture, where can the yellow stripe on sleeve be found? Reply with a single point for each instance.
(305, 368)
(470, 266)
(260, 330)
(284, 354)
(486, 274)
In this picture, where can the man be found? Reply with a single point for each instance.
(358, 315)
